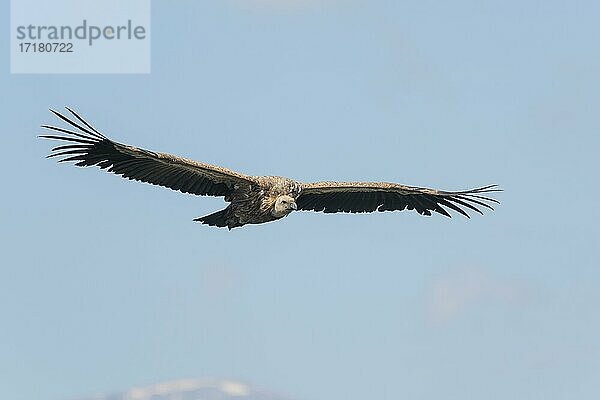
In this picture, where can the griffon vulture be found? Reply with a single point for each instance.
(253, 199)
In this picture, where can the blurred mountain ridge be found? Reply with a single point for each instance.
(192, 389)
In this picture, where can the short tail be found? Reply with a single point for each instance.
(215, 219)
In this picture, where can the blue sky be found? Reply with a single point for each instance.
(107, 283)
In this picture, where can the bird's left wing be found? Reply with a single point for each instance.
(86, 147)
(360, 197)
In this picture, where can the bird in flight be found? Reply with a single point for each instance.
(253, 199)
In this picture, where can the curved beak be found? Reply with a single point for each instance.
(294, 206)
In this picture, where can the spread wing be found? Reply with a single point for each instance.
(86, 147)
(359, 197)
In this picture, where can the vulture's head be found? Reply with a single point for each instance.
(284, 205)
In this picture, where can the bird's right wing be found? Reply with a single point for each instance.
(87, 147)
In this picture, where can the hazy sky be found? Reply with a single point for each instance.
(106, 283)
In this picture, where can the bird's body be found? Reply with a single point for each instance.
(253, 199)
(254, 203)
